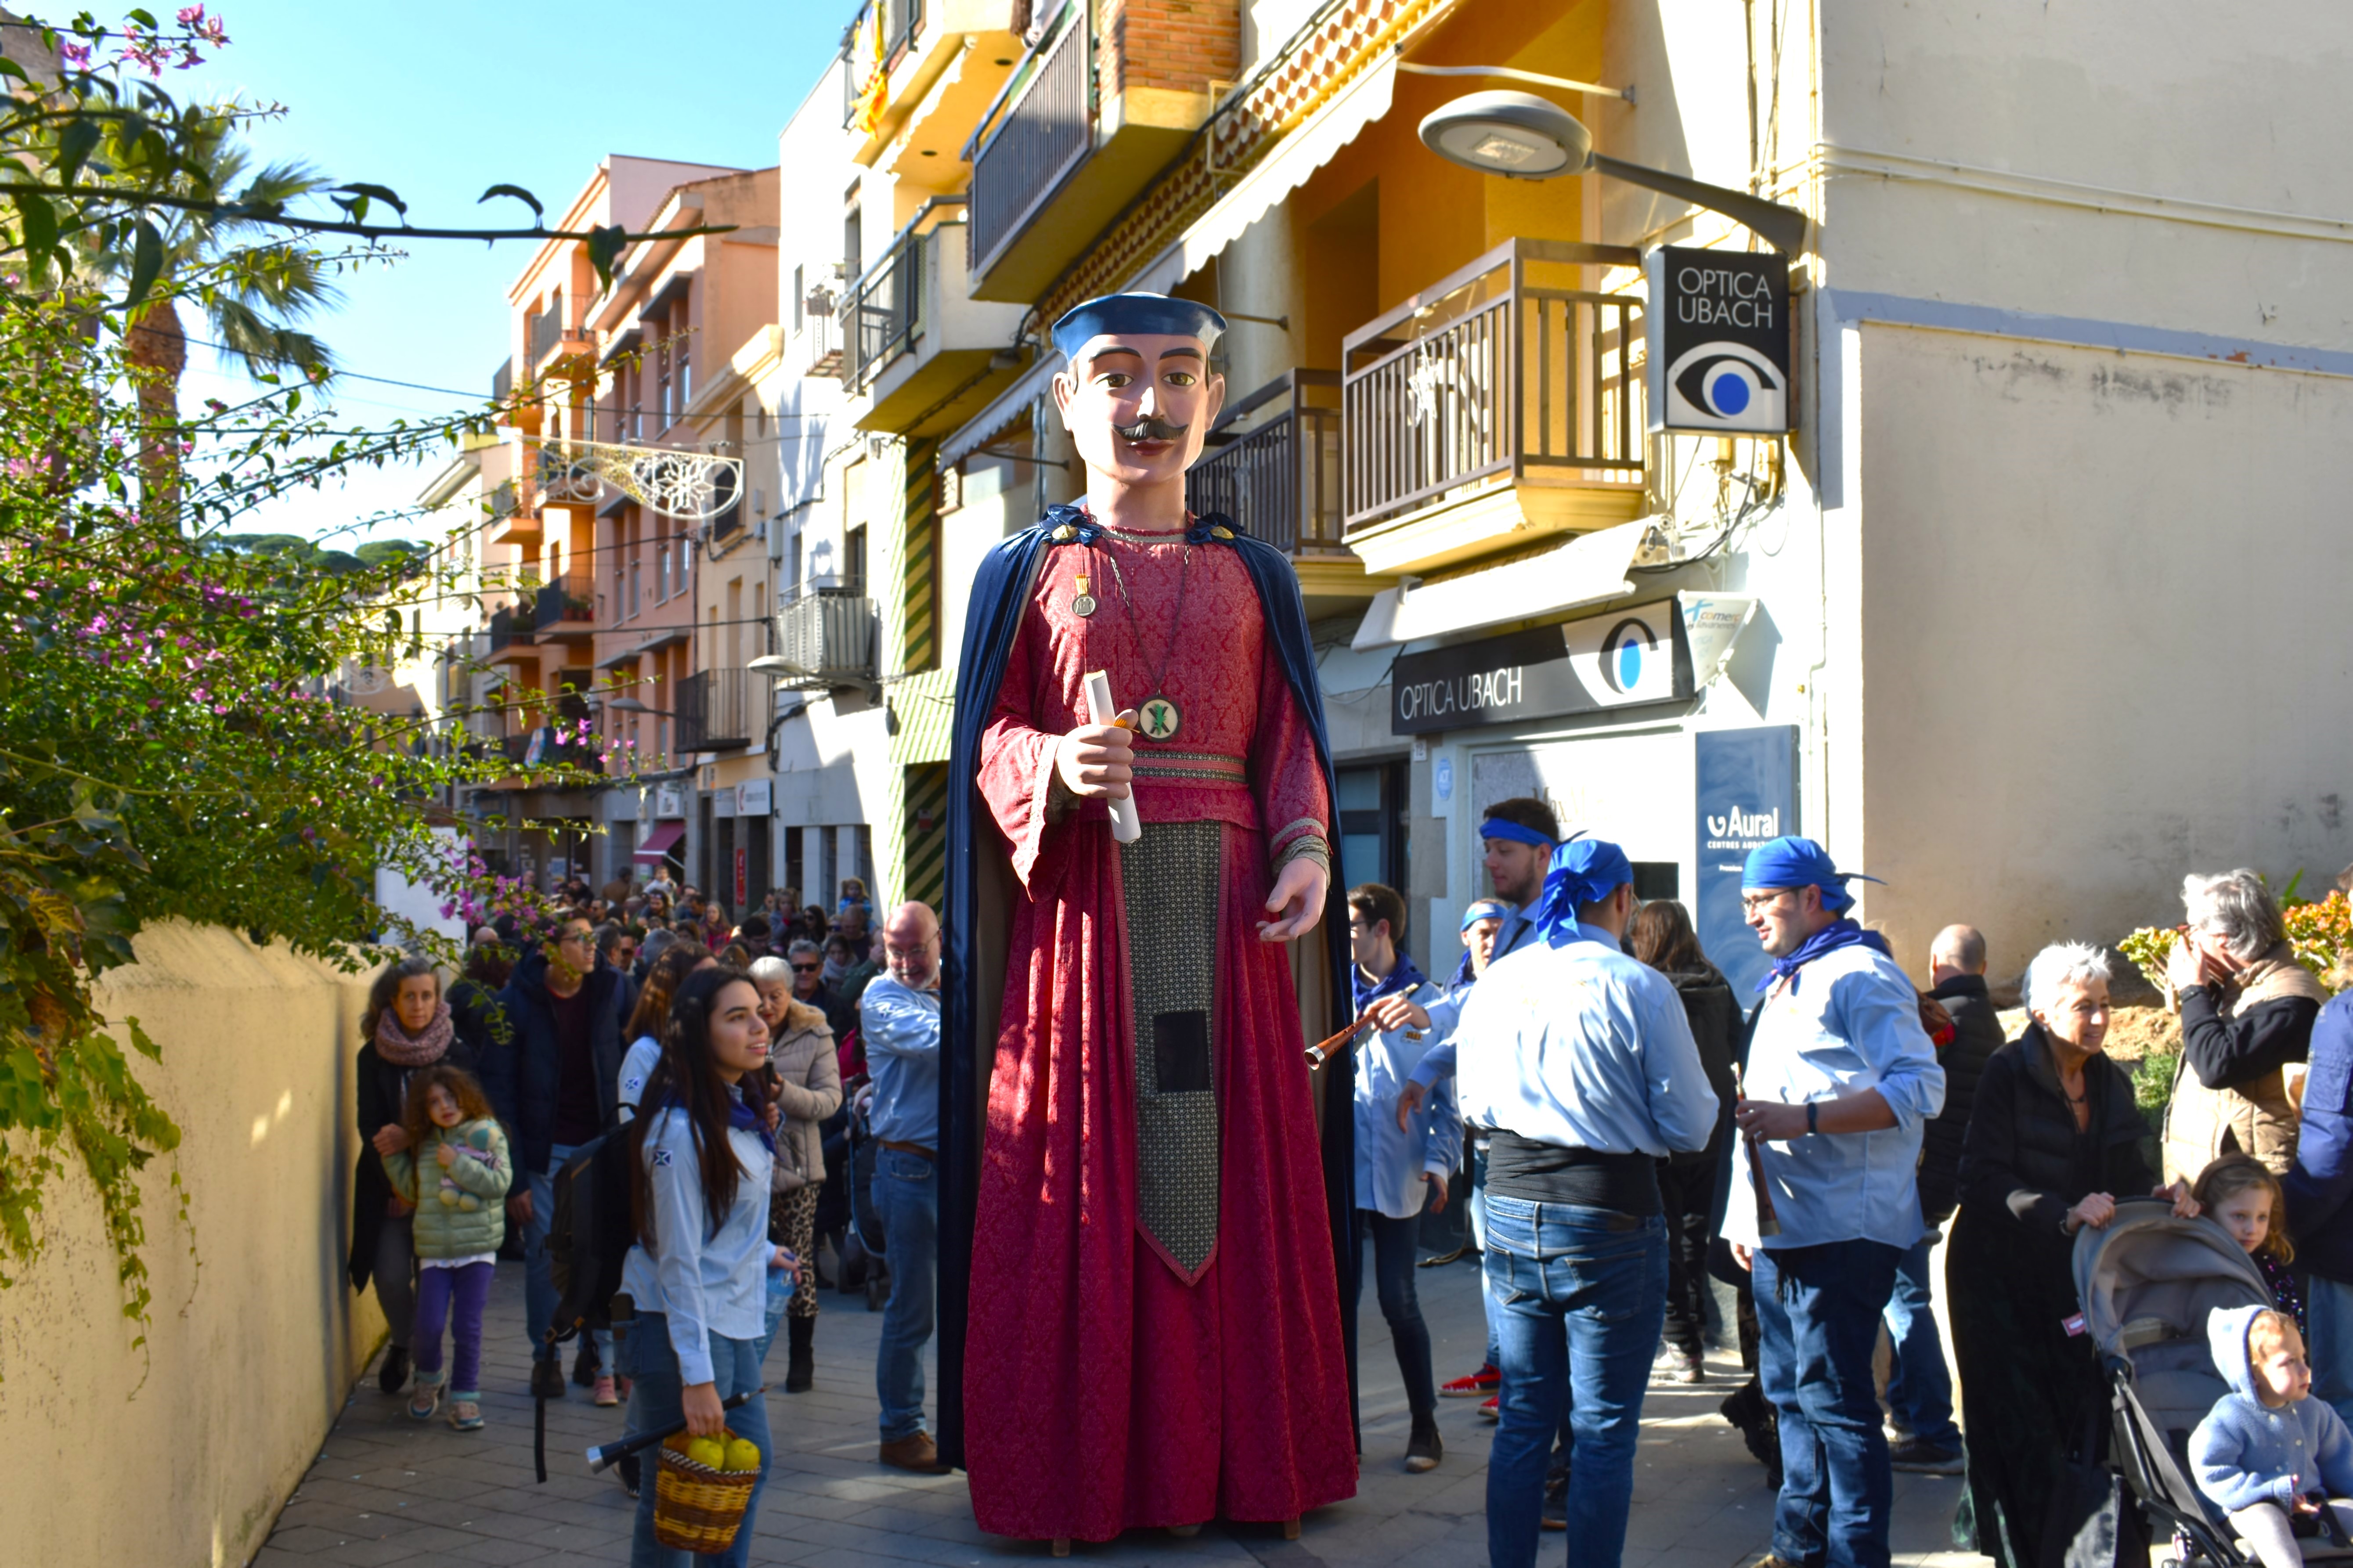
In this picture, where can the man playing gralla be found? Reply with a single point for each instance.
(1154, 1334)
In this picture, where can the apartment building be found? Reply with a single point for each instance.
(2030, 305)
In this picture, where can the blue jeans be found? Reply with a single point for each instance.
(539, 1301)
(907, 1200)
(457, 1295)
(1818, 1313)
(2328, 1308)
(1919, 1389)
(1390, 1243)
(1579, 1296)
(657, 1399)
(1479, 1240)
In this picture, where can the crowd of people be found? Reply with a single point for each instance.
(1632, 1128)
(734, 1056)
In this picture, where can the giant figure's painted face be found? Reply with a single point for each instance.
(1139, 405)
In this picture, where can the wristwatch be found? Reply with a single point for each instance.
(1813, 1116)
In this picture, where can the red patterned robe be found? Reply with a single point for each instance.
(1108, 1383)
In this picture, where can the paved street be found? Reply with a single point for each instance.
(386, 1491)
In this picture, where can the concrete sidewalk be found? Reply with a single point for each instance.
(388, 1491)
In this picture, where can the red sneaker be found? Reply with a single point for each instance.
(1480, 1383)
(1492, 1410)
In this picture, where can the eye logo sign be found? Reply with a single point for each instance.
(1718, 323)
(1628, 646)
(1729, 384)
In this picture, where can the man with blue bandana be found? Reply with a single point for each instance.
(1581, 1061)
(1841, 1077)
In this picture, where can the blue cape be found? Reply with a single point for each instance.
(979, 886)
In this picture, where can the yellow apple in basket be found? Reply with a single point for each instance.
(708, 1452)
(743, 1453)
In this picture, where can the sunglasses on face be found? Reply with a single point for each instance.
(806, 968)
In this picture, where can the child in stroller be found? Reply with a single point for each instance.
(2148, 1284)
(2277, 1460)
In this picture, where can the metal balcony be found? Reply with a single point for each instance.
(1489, 377)
(1281, 480)
(884, 312)
(825, 638)
(723, 709)
(1047, 132)
(565, 610)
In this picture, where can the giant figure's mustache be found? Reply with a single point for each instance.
(1151, 427)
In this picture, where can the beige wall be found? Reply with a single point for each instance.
(2102, 621)
(182, 1453)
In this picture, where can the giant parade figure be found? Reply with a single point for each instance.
(1141, 1232)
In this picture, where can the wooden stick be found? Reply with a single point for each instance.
(1320, 1053)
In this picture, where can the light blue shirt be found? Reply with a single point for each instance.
(1852, 1023)
(708, 1283)
(900, 1030)
(637, 1067)
(1390, 1163)
(1580, 1046)
(1519, 926)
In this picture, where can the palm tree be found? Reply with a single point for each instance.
(252, 282)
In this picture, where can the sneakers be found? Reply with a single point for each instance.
(547, 1379)
(607, 1394)
(1678, 1366)
(465, 1416)
(588, 1365)
(1423, 1449)
(1478, 1386)
(1492, 1408)
(1922, 1458)
(917, 1453)
(425, 1401)
(394, 1371)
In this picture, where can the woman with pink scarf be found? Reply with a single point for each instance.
(407, 1025)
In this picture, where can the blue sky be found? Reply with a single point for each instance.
(441, 101)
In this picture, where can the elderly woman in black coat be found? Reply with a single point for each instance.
(407, 1025)
(2053, 1138)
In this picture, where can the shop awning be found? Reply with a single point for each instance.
(1588, 570)
(1307, 147)
(658, 843)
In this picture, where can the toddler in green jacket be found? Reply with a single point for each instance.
(456, 1171)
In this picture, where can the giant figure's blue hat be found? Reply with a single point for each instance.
(1136, 313)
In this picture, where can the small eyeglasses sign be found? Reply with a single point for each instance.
(1719, 350)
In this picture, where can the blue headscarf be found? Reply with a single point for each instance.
(1504, 828)
(1582, 873)
(1794, 862)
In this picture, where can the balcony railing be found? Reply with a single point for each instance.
(821, 341)
(1282, 480)
(724, 709)
(884, 314)
(827, 637)
(1489, 376)
(503, 381)
(504, 631)
(565, 600)
(1046, 132)
(901, 19)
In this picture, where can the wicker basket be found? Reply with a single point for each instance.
(696, 1507)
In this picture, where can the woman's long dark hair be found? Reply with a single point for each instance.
(687, 1078)
(387, 990)
(1662, 937)
(651, 1015)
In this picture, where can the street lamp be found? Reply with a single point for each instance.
(1524, 137)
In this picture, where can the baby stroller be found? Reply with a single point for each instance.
(2147, 1284)
(862, 1248)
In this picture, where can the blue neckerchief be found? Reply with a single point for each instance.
(740, 1117)
(1464, 975)
(1830, 938)
(1404, 977)
(1207, 528)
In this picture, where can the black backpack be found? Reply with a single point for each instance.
(590, 1235)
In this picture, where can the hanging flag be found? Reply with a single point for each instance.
(876, 91)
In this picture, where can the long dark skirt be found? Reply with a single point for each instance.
(2034, 1408)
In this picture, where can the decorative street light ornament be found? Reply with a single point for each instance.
(693, 487)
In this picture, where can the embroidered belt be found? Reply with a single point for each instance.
(1155, 764)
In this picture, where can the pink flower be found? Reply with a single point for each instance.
(75, 55)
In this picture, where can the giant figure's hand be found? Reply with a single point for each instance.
(1297, 901)
(1095, 760)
